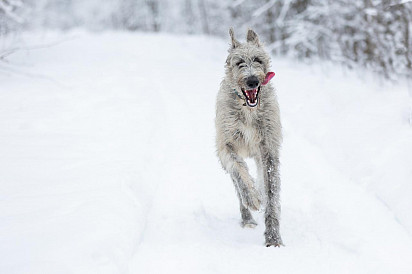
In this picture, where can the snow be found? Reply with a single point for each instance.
(108, 163)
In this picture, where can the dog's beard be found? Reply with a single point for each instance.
(252, 96)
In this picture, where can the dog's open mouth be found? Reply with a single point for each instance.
(251, 95)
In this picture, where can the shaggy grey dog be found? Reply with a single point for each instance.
(248, 126)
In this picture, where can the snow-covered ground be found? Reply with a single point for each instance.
(107, 163)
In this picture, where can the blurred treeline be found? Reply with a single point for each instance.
(356, 33)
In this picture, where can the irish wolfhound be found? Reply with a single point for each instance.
(248, 126)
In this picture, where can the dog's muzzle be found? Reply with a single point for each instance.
(252, 95)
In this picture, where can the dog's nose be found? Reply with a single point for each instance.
(252, 82)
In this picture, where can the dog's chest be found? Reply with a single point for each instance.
(248, 135)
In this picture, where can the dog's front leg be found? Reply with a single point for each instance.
(271, 177)
(237, 168)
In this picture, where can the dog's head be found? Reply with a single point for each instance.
(247, 67)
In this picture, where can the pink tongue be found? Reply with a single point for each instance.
(269, 76)
(252, 95)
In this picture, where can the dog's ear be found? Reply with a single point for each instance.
(235, 43)
(252, 37)
(228, 60)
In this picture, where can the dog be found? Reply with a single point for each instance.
(248, 126)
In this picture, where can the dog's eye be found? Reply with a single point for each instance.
(240, 64)
(258, 60)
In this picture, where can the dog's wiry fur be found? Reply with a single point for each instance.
(250, 132)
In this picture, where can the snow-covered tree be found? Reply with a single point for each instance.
(375, 34)
(10, 18)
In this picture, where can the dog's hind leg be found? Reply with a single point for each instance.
(247, 218)
(248, 195)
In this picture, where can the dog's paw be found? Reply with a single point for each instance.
(248, 223)
(273, 239)
(252, 200)
(274, 244)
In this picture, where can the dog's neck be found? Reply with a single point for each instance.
(241, 97)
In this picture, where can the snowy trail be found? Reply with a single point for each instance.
(114, 169)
